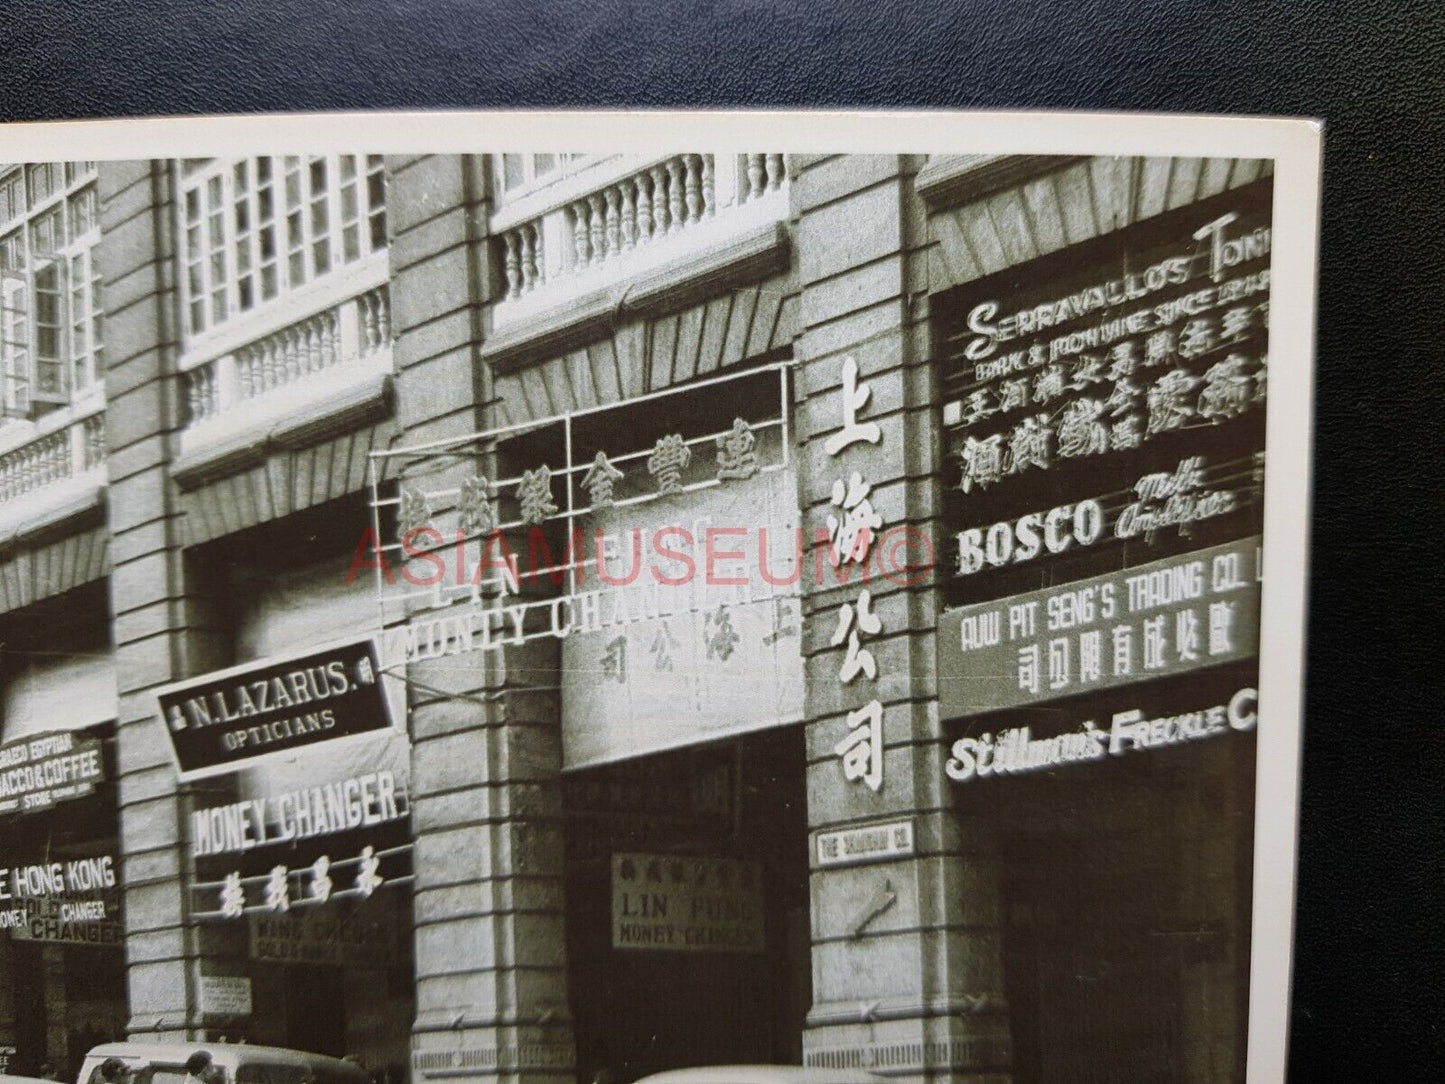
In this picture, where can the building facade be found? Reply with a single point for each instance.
(526, 616)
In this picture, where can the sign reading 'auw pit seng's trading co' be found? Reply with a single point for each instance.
(1167, 617)
(226, 720)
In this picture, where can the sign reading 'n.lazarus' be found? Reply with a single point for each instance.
(37, 772)
(226, 720)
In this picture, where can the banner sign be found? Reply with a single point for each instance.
(679, 904)
(1167, 617)
(714, 656)
(40, 771)
(230, 720)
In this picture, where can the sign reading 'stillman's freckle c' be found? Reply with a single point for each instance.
(227, 720)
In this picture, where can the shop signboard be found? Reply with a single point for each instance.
(1138, 624)
(234, 718)
(865, 843)
(225, 995)
(42, 770)
(1108, 408)
(333, 937)
(671, 903)
(677, 659)
(7, 1054)
(70, 901)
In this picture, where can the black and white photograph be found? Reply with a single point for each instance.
(708, 598)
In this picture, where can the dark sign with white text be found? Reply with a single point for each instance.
(225, 722)
(39, 771)
(1105, 405)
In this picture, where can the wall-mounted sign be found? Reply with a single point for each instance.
(710, 656)
(1167, 617)
(225, 995)
(1018, 750)
(7, 1055)
(231, 719)
(866, 843)
(663, 903)
(1126, 358)
(39, 771)
(73, 901)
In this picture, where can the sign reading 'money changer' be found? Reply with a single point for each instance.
(226, 720)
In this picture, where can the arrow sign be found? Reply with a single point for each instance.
(883, 898)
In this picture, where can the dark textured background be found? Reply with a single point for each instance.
(1369, 972)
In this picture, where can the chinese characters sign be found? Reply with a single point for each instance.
(717, 654)
(1163, 618)
(672, 903)
(227, 721)
(1108, 363)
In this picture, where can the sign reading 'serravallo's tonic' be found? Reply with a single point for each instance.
(228, 720)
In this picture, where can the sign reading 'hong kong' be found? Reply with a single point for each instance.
(227, 720)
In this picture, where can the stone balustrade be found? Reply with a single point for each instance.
(53, 457)
(641, 211)
(356, 329)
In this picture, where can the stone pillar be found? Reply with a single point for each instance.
(153, 616)
(486, 753)
(907, 975)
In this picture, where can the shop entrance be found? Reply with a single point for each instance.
(1124, 888)
(687, 907)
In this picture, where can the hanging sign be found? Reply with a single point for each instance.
(232, 719)
(40, 771)
(678, 904)
(1167, 617)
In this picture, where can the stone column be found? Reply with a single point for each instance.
(159, 629)
(486, 755)
(907, 976)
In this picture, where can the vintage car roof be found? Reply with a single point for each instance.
(178, 1052)
(761, 1074)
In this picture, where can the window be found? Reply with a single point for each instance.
(51, 325)
(255, 228)
(521, 172)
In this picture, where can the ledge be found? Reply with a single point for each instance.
(577, 320)
(351, 408)
(950, 180)
(61, 508)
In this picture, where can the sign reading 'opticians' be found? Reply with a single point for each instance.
(227, 720)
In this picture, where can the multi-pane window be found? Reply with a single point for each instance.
(51, 324)
(518, 173)
(253, 229)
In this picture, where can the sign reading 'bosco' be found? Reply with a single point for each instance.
(226, 720)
